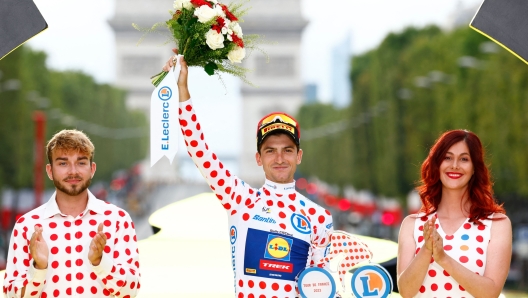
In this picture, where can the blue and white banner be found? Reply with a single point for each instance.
(164, 124)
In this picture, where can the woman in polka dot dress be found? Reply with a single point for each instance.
(460, 244)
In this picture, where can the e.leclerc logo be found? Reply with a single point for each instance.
(300, 223)
(233, 238)
(165, 93)
(371, 281)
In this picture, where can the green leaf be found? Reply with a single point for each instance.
(210, 68)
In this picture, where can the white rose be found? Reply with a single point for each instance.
(214, 39)
(219, 11)
(236, 55)
(179, 4)
(205, 13)
(236, 28)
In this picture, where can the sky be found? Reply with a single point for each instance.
(79, 38)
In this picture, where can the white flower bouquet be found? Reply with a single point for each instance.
(208, 34)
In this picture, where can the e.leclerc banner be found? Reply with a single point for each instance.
(164, 126)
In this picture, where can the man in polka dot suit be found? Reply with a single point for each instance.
(275, 232)
(75, 244)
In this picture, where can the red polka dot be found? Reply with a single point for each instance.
(449, 237)
(283, 226)
(463, 259)
(55, 278)
(287, 288)
(422, 289)
(245, 217)
(79, 276)
(54, 264)
(311, 211)
(445, 273)
(480, 238)
(52, 225)
(188, 132)
(282, 215)
(321, 219)
(56, 293)
(240, 295)
(93, 290)
(280, 204)
(448, 247)
(448, 286)
(434, 287)
(275, 286)
(432, 273)
(240, 283)
(251, 284)
(467, 226)
(481, 227)
(199, 153)
(269, 202)
(420, 239)
(461, 288)
(480, 250)
(480, 263)
(262, 285)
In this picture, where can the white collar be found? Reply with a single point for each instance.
(279, 187)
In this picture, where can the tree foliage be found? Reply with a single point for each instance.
(414, 86)
(69, 94)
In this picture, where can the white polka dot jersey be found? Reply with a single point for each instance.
(275, 232)
(468, 245)
(69, 272)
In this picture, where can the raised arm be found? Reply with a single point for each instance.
(230, 190)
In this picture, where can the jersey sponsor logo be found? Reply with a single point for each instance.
(281, 232)
(328, 226)
(266, 209)
(233, 234)
(271, 186)
(268, 254)
(278, 248)
(300, 223)
(371, 281)
(264, 219)
(276, 266)
(233, 237)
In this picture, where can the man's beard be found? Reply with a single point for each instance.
(75, 189)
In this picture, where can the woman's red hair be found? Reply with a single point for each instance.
(480, 190)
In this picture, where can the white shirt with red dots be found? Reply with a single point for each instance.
(69, 271)
(468, 245)
(275, 232)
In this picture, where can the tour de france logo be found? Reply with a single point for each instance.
(165, 93)
(371, 281)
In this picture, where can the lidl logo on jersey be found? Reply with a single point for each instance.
(300, 223)
(371, 281)
(278, 248)
(165, 93)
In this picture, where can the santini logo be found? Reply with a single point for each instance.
(264, 219)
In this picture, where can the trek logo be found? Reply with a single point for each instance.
(165, 93)
(271, 186)
(371, 281)
(276, 266)
(264, 219)
(266, 209)
(278, 248)
(300, 223)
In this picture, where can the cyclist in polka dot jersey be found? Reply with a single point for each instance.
(275, 232)
(75, 244)
(460, 244)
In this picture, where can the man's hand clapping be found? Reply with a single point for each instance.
(97, 246)
(38, 249)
